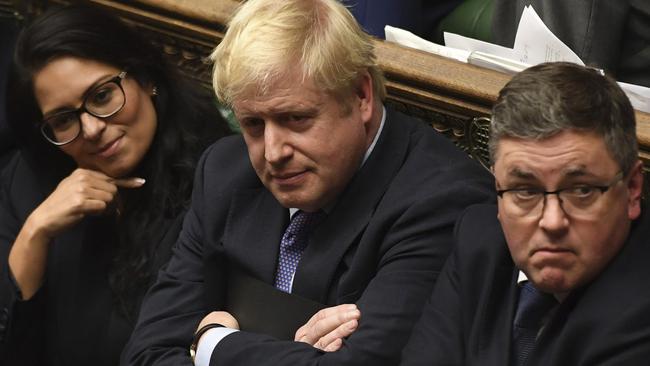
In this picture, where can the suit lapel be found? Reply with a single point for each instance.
(254, 229)
(352, 212)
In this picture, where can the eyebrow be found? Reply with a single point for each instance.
(576, 171)
(277, 111)
(290, 108)
(517, 172)
(569, 173)
(95, 84)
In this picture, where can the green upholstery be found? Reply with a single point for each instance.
(472, 18)
(230, 117)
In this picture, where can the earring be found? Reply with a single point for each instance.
(154, 91)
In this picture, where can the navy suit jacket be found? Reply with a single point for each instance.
(469, 317)
(418, 16)
(381, 247)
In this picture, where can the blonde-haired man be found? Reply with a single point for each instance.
(327, 197)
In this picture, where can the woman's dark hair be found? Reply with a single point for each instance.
(188, 121)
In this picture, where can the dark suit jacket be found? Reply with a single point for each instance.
(418, 16)
(8, 33)
(380, 247)
(72, 319)
(612, 35)
(468, 319)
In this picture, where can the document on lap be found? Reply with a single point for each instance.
(534, 44)
(262, 308)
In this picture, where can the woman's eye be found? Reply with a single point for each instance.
(61, 121)
(102, 96)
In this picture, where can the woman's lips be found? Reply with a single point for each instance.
(109, 149)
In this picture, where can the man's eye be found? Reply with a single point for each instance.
(296, 118)
(525, 194)
(251, 122)
(252, 126)
(580, 191)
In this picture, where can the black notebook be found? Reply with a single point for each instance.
(261, 308)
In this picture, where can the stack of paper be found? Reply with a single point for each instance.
(534, 44)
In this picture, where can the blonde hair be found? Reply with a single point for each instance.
(267, 39)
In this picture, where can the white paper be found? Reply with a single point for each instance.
(486, 54)
(470, 44)
(639, 96)
(408, 39)
(497, 63)
(535, 43)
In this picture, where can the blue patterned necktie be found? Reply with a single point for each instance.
(533, 306)
(294, 241)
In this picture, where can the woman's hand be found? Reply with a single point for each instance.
(84, 192)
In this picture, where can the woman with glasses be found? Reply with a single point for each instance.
(110, 135)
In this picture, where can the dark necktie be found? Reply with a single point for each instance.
(293, 243)
(533, 306)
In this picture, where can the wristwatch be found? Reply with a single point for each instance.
(198, 334)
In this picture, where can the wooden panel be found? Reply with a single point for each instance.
(453, 97)
(210, 11)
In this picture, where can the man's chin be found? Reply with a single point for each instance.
(296, 200)
(289, 199)
(552, 280)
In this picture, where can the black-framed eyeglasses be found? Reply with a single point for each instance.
(577, 201)
(102, 101)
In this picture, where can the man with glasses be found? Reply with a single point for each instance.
(557, 273)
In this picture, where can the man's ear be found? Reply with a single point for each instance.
(364, 93)
(635, 190)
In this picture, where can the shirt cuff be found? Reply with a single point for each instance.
(207, 344)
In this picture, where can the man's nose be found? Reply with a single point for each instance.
(553, 219)
(277, 147)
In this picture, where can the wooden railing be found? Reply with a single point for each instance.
(453, 97)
